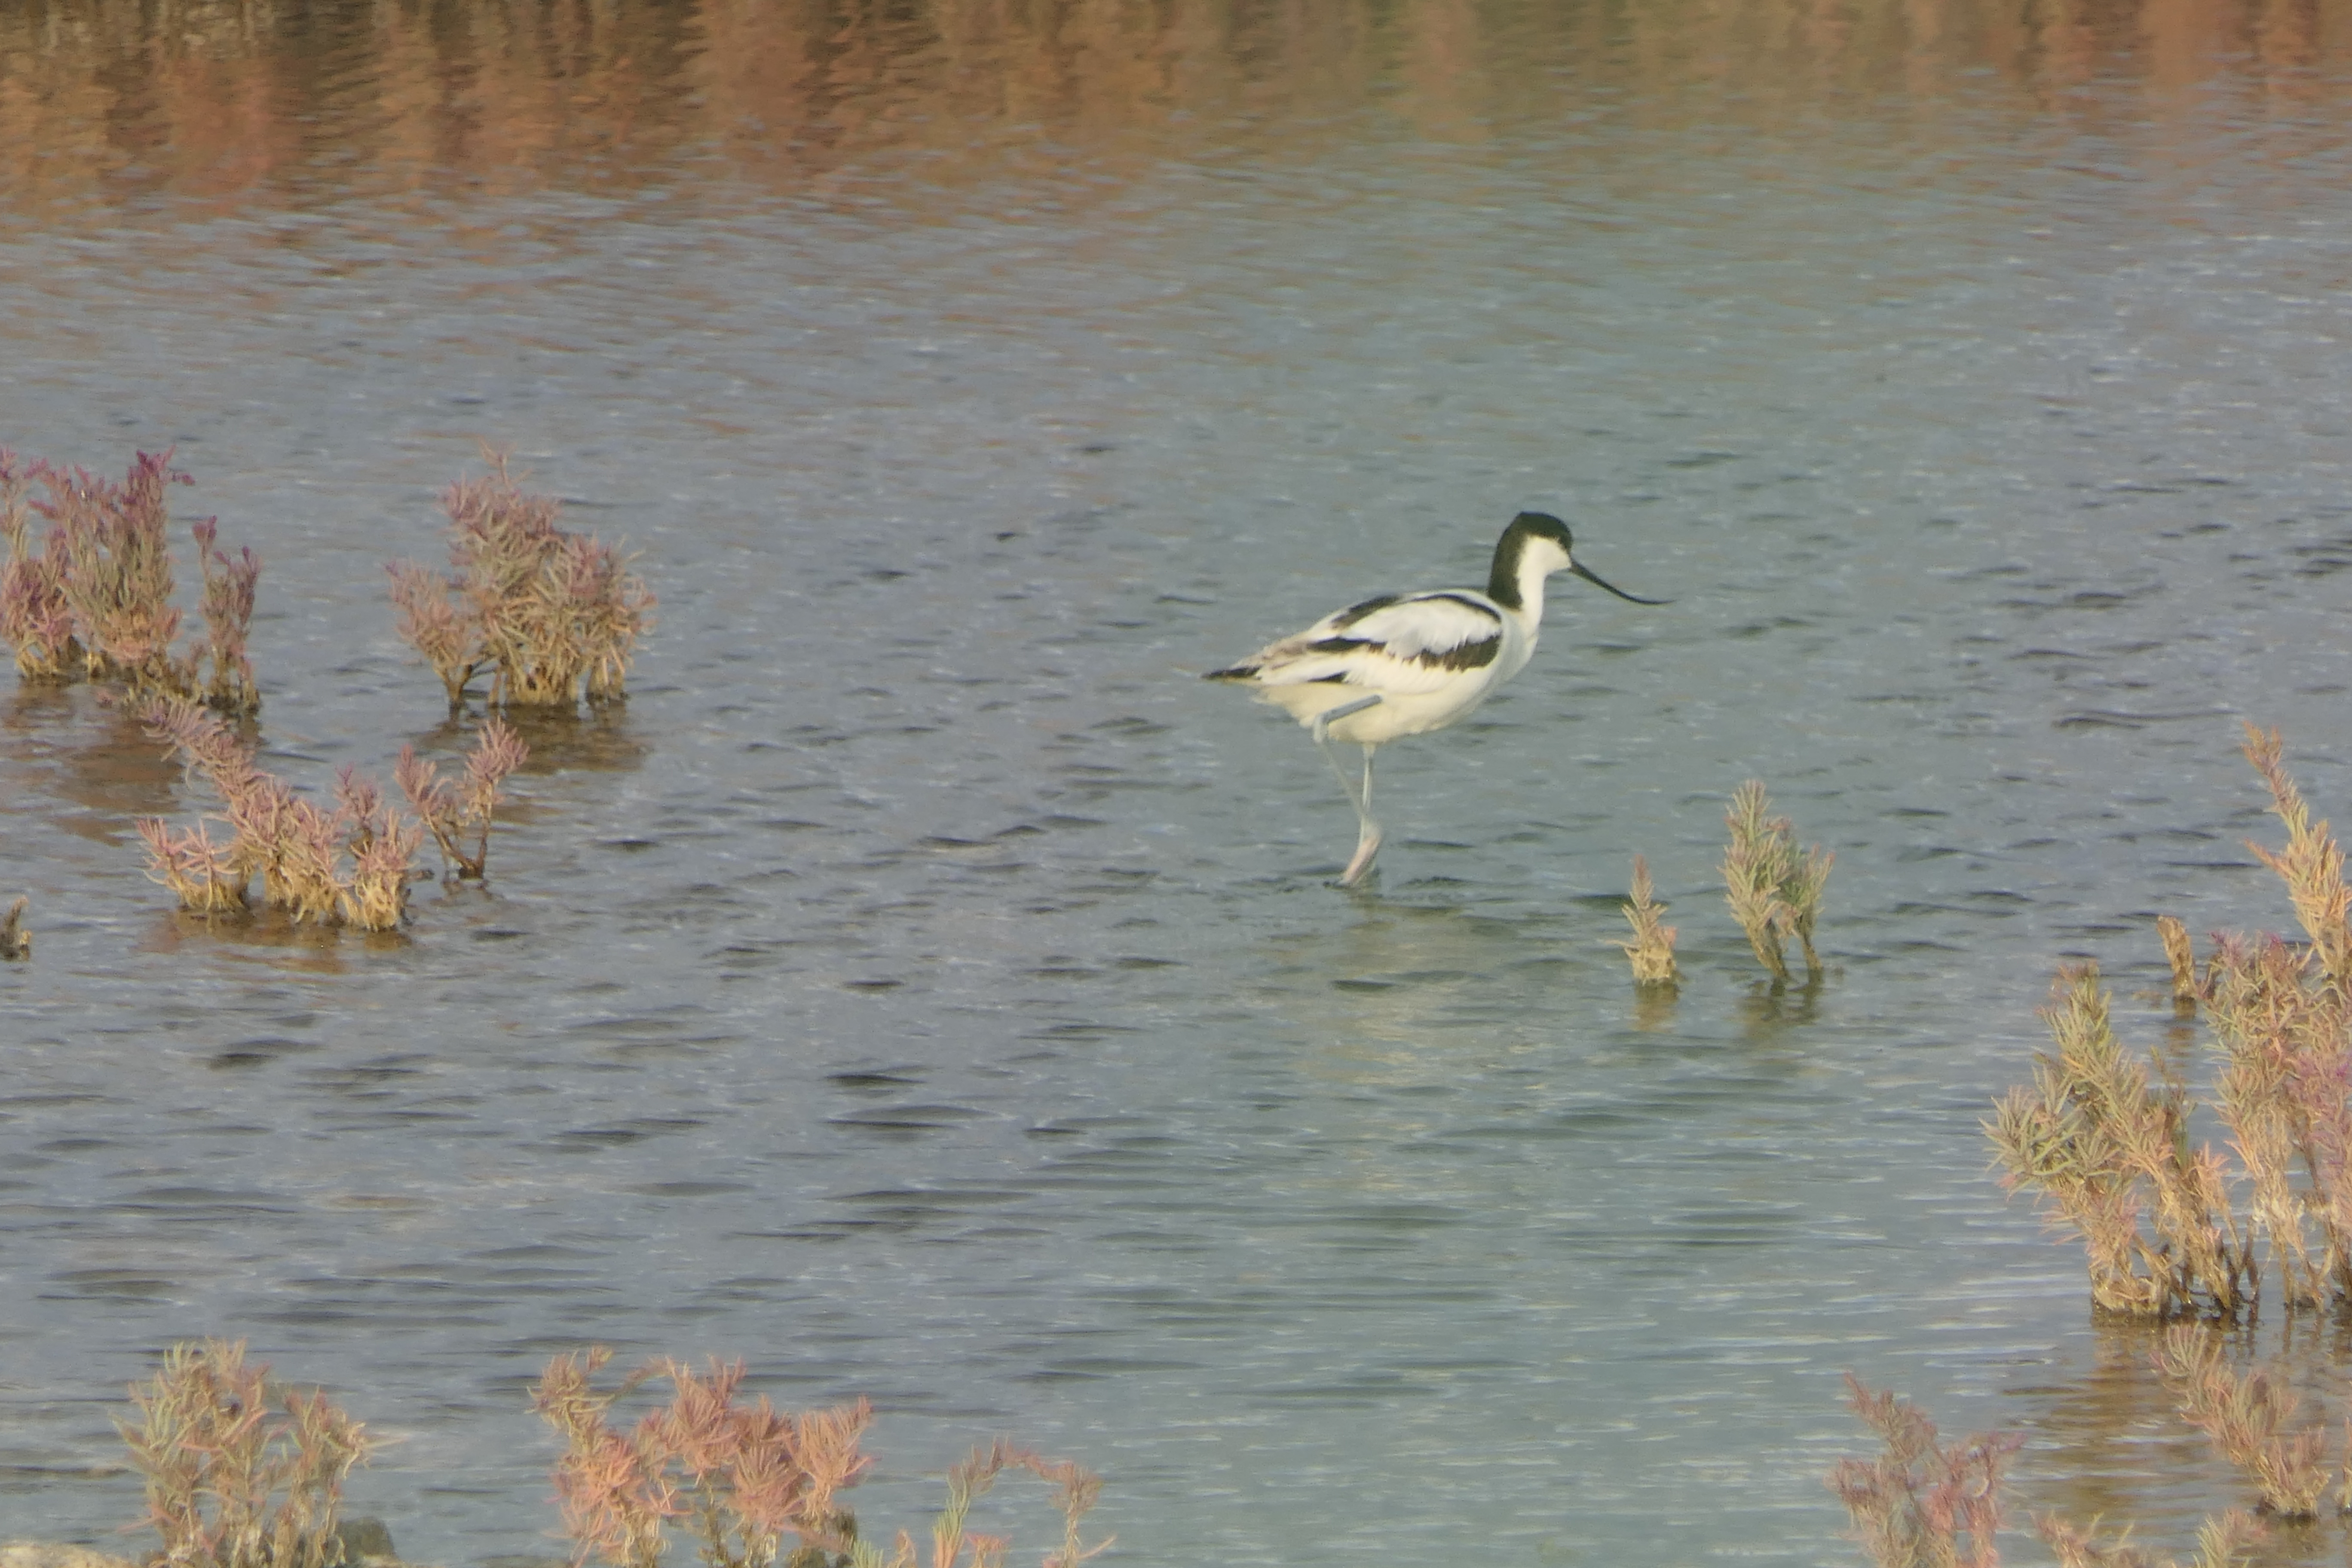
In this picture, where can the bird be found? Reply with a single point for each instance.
(1405, 664)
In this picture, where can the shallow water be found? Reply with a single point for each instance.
(925, 987)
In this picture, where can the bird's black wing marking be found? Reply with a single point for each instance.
(1473, 655)
(1354, 613)
(1397, 644)
(1467, 602)
(1466, 656)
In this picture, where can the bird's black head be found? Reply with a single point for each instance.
(1526, 530)
(1541, 525)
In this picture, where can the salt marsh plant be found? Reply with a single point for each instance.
(1927, 1503)
(954, 1546)
(2103, 1139)
(548, 615)
(2180, 957)
(241, 1472)
(92, 595)
(2248, 1416)
(1913, 1505)
(744, 1476)
(16, 938)
(2222, 1543)
(1652, 951)
(1774, 891)
(2107, 1150)
(458, 812)
(349, 865)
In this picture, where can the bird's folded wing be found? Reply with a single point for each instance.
(1418, 644)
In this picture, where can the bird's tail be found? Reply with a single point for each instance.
(1234, 673)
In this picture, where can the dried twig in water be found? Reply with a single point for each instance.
(1774, 891)
(458, 813)
(550, 616)
(1652, 951)
(16, 937)
(229, 1484)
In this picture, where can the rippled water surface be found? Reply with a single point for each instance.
(925, 987)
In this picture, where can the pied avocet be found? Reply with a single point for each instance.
(1404, 664)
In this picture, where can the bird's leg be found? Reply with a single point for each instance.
(1368, 832)
(1330, 716)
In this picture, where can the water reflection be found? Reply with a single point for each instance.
(2119, 1450)
(1399, 978)
(1654, 1007)
(597, 739)
(267, 935)
(213, 100)
(91, 756)
(1770, 1011)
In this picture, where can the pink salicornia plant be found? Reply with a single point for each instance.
(300, 848)
(2106, 1148)
(119, 576)
(240, 1472)
(744, 1476)
(955, 1546)
(2172, 1230)
(1926, 1503)
(36, 619)
(206, 876)
(95, 598)
(227, 610)
(98, 589)
(1652, 951)
(2247, 1417)
(383, 846)
(1913, 1505)
(2222, 1543)
(550, 616)
(1773, 890)
(458, 812)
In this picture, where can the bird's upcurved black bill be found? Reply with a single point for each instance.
(1578, 567)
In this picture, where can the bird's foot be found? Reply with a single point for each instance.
(1368, 846)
